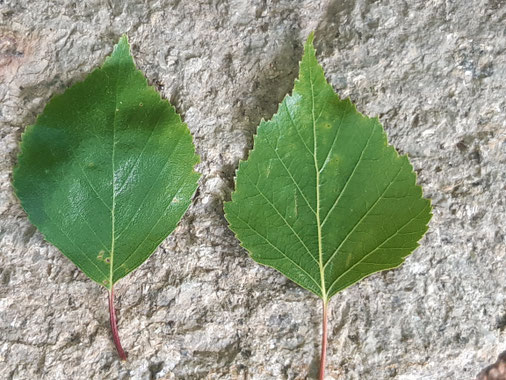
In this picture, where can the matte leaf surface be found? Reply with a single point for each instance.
(106, 172)
(322, 197)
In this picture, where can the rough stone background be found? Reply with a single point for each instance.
(433, 71)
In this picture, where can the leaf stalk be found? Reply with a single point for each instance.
(114, 326)
(324, 340)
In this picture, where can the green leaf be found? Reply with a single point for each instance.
(106, 172)
(322, 197)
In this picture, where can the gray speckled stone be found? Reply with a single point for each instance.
(199, 308)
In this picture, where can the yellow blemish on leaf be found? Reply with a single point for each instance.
(348, 260)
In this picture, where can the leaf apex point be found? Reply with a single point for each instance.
(310, 38)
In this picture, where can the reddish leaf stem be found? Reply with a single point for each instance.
(114, 326)
(324, 340)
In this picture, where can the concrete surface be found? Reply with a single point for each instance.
(434, 71)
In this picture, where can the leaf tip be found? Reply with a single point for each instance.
(310, 38)
(121, 48)
(123, 39)
(309, 46)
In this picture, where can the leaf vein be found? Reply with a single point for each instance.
(375, 249)
(151, 188)
(335, 138)
(291, 177)
(280, 251)
(317, 180)
(349, 178)
(127, 177)
(364, 216)
(75, 245)
(155, 224)
(296, 129)
(282, 217)
(92, 188)
(113, 172)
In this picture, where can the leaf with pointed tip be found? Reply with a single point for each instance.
(106, 172)
(322, 197)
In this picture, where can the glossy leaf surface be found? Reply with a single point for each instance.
(322, 197)
(106, 172)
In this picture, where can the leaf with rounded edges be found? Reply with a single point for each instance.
(322, 197)
(106, 172)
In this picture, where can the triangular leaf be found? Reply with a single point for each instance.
(106, 172)
(322, 197)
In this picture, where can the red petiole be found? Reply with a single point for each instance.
(324, 341)
(114, 326)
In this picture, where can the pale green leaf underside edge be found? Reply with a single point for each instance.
(107, 171)
(322, 197)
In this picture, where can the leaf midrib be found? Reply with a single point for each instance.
(113, 167)
(318, 224)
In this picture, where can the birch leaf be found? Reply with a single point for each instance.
(106, 172)
(322, 197)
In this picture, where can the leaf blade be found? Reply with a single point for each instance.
(310, 161)
(106, 172)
